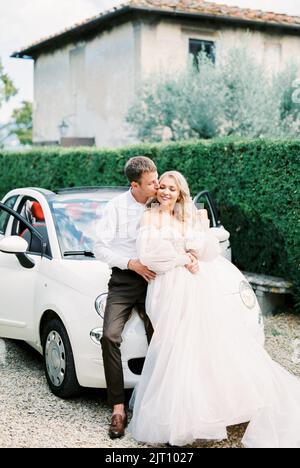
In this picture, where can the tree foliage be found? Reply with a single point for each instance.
(7, 88)
(21, 124)
(235, 97)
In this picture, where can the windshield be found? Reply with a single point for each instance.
(76, 220)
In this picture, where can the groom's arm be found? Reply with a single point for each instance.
(106, 234)
(142, 270)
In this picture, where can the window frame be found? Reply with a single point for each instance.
(31, 228)
(203, 42)
(5, 224)
(16, 226)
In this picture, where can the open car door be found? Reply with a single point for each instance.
(204, 200)
(18, 278)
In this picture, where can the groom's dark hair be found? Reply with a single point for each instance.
(137, 166)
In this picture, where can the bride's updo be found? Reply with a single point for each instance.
(184, 209)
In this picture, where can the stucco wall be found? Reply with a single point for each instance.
(165, 44)
(91, 85)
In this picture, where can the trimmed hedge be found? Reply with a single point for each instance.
(255, 183)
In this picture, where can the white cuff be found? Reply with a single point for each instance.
(122, 263)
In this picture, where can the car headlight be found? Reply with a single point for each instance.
(247, 294)
(100, 304)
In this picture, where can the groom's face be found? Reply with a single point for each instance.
(149, 184)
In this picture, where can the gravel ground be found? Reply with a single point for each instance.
(31, 416)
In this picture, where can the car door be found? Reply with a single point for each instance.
(5, 217)
(205, 200)
(17, 288)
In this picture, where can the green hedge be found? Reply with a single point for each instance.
(256, 185)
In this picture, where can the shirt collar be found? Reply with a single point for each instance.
(134, 200)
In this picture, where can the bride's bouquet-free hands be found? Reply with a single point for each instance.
(193, 267)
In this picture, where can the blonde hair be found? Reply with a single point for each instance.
(184, 208)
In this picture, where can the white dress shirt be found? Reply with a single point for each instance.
(117, 231)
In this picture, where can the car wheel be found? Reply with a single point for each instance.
(59, 361)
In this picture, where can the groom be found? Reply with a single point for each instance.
(127, 287)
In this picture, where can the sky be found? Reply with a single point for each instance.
(25, 21)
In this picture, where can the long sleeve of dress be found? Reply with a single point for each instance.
(158, 252)
(203, 243)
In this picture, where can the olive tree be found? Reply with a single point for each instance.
(236, 96)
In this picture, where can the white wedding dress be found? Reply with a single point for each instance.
(205, 370)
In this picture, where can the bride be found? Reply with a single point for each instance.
(204, 370)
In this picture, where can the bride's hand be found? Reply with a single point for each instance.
(193, 266)
(194, 253)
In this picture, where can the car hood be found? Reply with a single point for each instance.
(89, 277)
(227, 276)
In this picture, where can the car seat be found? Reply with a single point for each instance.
(40, 225)
(37, 212)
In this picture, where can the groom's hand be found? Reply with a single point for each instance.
(138, 267)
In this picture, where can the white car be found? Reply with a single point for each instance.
(53, 291)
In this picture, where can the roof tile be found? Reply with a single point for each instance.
(189, 6)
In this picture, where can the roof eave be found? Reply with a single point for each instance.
(33, 51)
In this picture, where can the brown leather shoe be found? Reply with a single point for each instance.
(117, 426)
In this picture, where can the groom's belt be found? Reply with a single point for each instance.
(117, 272)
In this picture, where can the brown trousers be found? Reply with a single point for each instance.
(126, 289)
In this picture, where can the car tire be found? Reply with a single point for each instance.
(59, 361)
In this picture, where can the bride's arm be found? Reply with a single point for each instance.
(156, 251)
(200, 240)
(205, 247)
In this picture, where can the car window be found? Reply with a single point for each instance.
(76, 222)
(27, 211)
(31, 210)
(4, 217)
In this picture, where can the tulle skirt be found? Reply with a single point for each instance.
(205, 369)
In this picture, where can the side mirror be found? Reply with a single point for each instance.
(17, 246)
(13, 245)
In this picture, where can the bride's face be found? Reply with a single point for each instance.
(168, 193)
